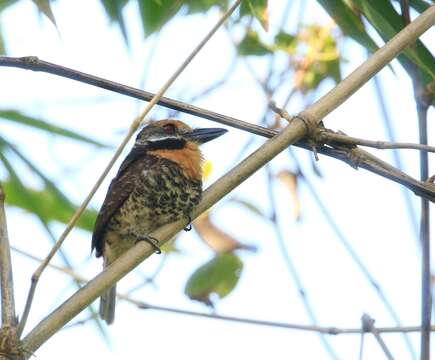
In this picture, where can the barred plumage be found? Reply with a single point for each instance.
(159, 182)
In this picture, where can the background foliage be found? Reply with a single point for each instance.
(307, 55)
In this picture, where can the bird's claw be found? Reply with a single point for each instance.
(189, 226)
(152, 241)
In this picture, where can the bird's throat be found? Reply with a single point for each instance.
(189, 159)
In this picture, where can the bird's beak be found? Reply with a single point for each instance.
(202, 136)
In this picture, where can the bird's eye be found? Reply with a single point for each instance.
(169, 129)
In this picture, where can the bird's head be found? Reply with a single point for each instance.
(174, 135)
(178, 142)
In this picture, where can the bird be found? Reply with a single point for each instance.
(159, 182)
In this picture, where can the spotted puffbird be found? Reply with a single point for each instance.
(158, 182)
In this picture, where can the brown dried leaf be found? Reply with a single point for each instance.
(290, 180)
(218, 240)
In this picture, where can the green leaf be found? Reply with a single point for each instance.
(258, 9)
(5, 3)
(320, 71)
(156, 13)
(44, 203)
(252, 45)
(286, 42)
(18, 117)
(319, 58)
(45, 8)
(349, 22)
(49, 204)
(218, 276)
(385, 19)
(2, 43)
(202, 6)
(114, 9)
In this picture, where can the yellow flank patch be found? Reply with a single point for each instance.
(207, 168)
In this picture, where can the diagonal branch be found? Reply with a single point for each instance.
(133, 127)
(7, 286)
(33, 63)
(327, 330)
(293, 132)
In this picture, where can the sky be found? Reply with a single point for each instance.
(369, 210)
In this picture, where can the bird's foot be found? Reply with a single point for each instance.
(152, 241)
(189, 226)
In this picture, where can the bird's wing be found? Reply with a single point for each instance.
(119, 190)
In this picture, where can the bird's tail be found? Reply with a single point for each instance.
(107, 305)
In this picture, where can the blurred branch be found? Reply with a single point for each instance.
(222, 81)
(150, 279)
(133, 127)
(7, 285)
(327, 330)
(293, 132)
(352, 253)
(320, 329)
(69, 266)
(291, 265)
(368, 325)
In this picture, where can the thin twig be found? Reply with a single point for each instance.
(361, 343)
(151, 279)
(369, 325)
(357, 158)
(345, 139)
(76, 276)
(79, 322)
(327, 136)
(291, 265)
(351, 252)
(133, 127)
(33, 63)
(404, 8)
(327, 330)
(293, 132)
(7, 285)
